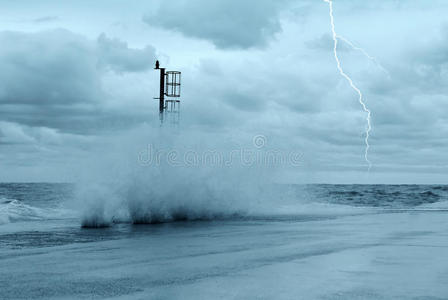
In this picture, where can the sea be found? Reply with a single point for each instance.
(326, 242)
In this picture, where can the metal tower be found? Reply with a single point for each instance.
(169, 87)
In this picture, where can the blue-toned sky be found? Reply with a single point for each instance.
(74, 74)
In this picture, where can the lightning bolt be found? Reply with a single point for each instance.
(354, 87)
(364, 52)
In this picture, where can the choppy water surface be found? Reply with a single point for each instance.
(40, 215)
(387, 196)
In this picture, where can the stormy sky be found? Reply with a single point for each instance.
(74, 74)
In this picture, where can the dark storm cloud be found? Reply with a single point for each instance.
(47, 67)
(243, 101)
(417, 79)
(325, 43)
(245, 91)
(46, 19)
(85, 119)
(226, 23)
(116, 55)
(54, 78)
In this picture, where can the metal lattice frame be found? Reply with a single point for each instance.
(172, 83)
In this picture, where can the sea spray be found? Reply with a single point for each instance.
(99, 204)
(153, 175)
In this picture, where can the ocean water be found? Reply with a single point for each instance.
(42, 214)
(353, 239)
(37, 202)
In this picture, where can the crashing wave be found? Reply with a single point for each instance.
(12, 210)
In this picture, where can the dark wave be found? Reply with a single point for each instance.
(389, 196)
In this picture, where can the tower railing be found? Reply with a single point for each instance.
(170, 85)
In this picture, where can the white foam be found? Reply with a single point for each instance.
(12, 210)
